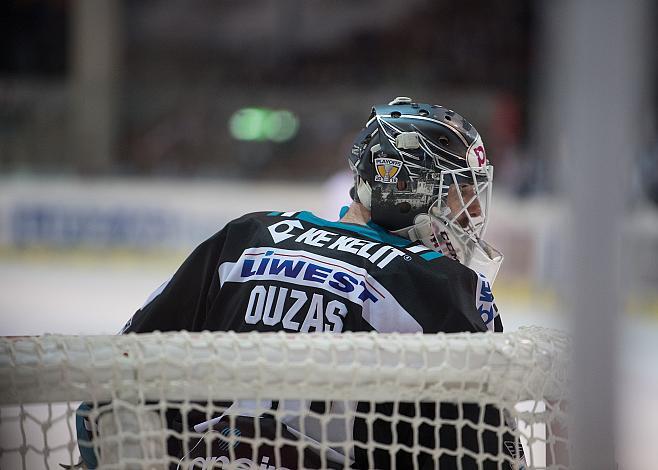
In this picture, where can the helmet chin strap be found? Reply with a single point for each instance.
(477, 254)
(485, 259)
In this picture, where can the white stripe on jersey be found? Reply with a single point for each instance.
(155, 293)
(484, 301)
(301, 268)
(417, 248)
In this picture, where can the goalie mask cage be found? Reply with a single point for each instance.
(282, 401)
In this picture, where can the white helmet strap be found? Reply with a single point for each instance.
(364, 192)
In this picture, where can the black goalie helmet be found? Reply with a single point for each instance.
(407, 159)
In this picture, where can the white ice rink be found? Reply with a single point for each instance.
(82, 296)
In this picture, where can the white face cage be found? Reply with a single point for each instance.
(463, 202)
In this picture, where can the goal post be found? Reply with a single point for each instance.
(306, 392)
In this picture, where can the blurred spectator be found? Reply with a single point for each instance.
(186, 68)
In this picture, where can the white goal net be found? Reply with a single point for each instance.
(282, 401)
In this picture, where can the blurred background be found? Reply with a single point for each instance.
(139, 128)
(131, 130)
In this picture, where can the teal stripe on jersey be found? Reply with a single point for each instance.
(275, 213)
(372, 231)
(430, 255)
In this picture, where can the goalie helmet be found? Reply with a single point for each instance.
(423, 173)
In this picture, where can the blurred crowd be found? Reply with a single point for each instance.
(180, 70)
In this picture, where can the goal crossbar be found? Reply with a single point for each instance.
(527, 364)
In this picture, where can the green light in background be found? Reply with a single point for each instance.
(263, 124)
(246, 123)
(280, 126)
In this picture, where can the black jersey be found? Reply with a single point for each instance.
(296, 272)
(299, 273)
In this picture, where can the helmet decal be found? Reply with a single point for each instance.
(387, 168)
(476, 155)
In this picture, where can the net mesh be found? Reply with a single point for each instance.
(283, 401)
